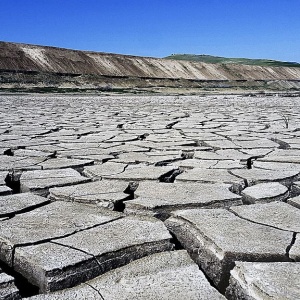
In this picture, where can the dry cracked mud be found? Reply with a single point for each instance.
(149, 197)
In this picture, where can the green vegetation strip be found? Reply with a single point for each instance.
(240, 61)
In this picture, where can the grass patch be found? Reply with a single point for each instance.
(240, 61)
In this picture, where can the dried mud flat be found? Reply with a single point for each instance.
(145, 197)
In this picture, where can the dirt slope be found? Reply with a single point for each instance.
(15, 58)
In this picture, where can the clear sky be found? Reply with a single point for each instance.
(232, 28)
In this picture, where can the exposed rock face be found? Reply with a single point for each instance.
(22, 57)
(34, 63)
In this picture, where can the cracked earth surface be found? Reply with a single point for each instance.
(127, 197)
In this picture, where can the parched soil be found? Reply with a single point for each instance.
(149, 197)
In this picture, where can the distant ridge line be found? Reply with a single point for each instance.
(46, 68)
(226, 60)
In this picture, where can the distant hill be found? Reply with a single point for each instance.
(240, 61)
(26, 67)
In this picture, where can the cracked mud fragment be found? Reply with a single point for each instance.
(216, 238)
(96, 154)
(3, 175)
(20, 163)
(222, 144)
(260, 281)
(276, 166)
(212, 176)
(52, 221)
(18, 203)
(150, 158)
(142, 172)
(255, 176)
(8, 290)
(208, 155)
(295, 201)
(294, 251)
(256, 152)
(195, 163)
(233, 154)
(264, 193)
(126, 147)
(4, 190)
(40, 181)
(177, 157)
(259, 143)
(83, 291)
(167, 275)
(103, 170)
(295, 189)
(283, 158)
(105, 193)
(61, 163)
(279, 215)
(228, 164)
(31, 153)
(68, 261)
(160, 199)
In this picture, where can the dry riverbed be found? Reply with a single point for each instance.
(140, 197)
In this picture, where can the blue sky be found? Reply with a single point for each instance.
(232, 28)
